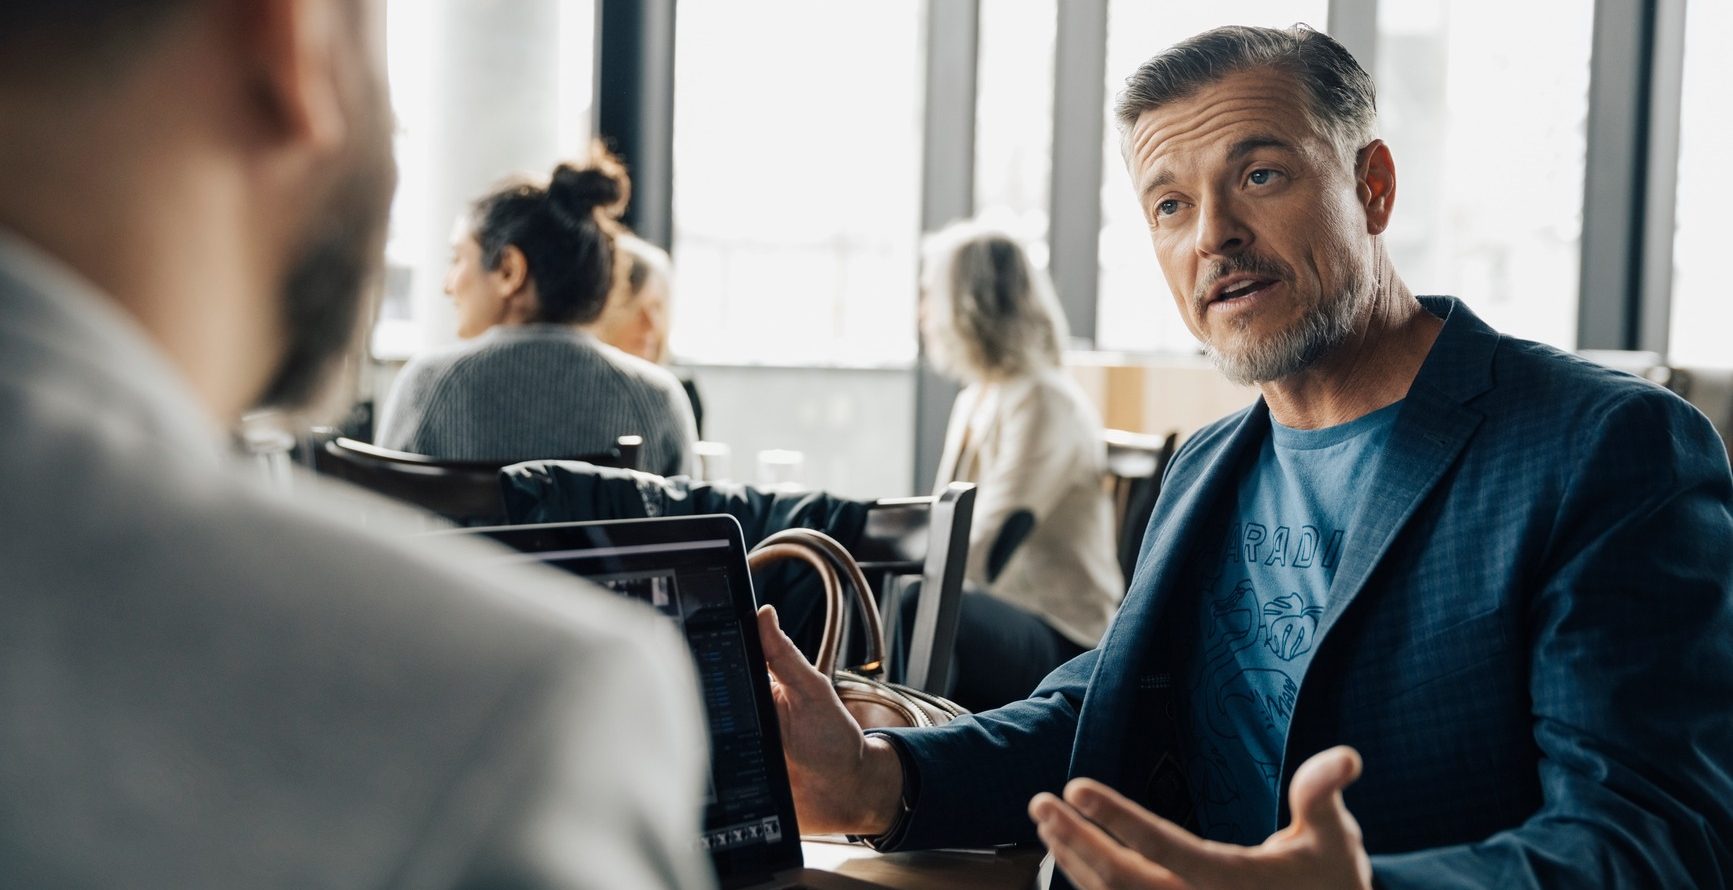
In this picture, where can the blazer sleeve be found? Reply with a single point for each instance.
(975, 775)
(605, 764)
(1631, 647)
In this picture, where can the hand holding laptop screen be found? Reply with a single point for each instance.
(844, 782)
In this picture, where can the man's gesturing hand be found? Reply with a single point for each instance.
(844, 782)
(1105, 842)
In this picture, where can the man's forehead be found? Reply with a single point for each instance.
(1210, 126)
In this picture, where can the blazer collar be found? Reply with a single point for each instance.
(1433, 426)
(1431, 430)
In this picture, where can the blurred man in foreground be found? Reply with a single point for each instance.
(201, 686)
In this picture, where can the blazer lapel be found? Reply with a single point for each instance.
(1176, 531)
(953, 447)
(1433, 427)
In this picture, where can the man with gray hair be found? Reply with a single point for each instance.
(201, 684)
(1493, 577)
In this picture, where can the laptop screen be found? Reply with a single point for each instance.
(693, 570)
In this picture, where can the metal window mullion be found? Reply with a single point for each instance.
(1614, 201)
(1079, 109)
(947, 186)
(1661, 190)
(634, 105)
(1354, 24)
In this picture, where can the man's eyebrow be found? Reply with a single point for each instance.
(1239, 150)
(1160, 180)
(1252, 143)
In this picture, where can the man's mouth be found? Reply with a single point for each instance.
(1245, 287)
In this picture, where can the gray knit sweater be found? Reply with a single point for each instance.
(522, 392)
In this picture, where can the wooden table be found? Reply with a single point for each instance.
(1010, 869)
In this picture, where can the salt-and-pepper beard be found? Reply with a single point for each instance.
(1319, 331)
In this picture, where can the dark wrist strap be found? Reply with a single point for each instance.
(893, 836)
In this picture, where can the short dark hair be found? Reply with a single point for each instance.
(1343, 101)
(90, 32)
(565, 231)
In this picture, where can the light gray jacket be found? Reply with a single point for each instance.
(203, 686)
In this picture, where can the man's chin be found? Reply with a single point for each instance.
(1249, 361)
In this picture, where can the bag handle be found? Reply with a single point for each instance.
(842, 580)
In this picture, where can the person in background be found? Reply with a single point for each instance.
(531, 265)
(1044, 580)
(203, 683)
(635, 321)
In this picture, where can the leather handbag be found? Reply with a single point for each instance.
(873, 701)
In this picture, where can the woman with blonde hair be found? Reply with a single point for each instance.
(635, 320)
(1044, 576)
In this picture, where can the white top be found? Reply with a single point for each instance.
(1034, 444)
(205, 686)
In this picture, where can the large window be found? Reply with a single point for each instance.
(479, 95)
(1135, 311)
(797, 152)
(1490, 177)
(1702, 311)
(1014, 118)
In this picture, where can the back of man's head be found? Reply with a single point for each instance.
(1342, 99)
(220, 168)
(58, 38)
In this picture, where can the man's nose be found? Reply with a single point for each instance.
(1221, 231)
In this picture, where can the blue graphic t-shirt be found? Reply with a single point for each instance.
(1263, 596)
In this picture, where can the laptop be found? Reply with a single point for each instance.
(693, 570)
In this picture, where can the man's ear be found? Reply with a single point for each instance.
(1375, 172)
(294, 45)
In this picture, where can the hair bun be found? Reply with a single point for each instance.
(601, 184)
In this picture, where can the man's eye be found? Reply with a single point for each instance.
(1261, 177)
(1167, 208)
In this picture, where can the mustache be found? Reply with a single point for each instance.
(1239, 264)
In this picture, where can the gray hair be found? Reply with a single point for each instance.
(644, 261)
(1343, 104)
(989, 313)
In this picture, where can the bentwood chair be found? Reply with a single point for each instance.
(466, 492)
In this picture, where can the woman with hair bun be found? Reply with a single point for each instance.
(1043, 576)
(531, 264)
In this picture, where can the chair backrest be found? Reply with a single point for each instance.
(463, 491)
(928, 536)
(1135, 465)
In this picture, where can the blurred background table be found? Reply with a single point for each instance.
(1008, 869)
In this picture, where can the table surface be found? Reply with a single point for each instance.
(1011, 869)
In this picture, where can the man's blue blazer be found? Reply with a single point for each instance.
(1529, 638)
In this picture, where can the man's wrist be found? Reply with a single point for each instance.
(883, 786)
(890, 770)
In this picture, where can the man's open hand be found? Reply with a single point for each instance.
(1105, 842)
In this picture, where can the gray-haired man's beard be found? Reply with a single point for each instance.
(1319, 331)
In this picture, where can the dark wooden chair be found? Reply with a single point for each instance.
(925, 538)
(1135, 464)
(466, 492)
